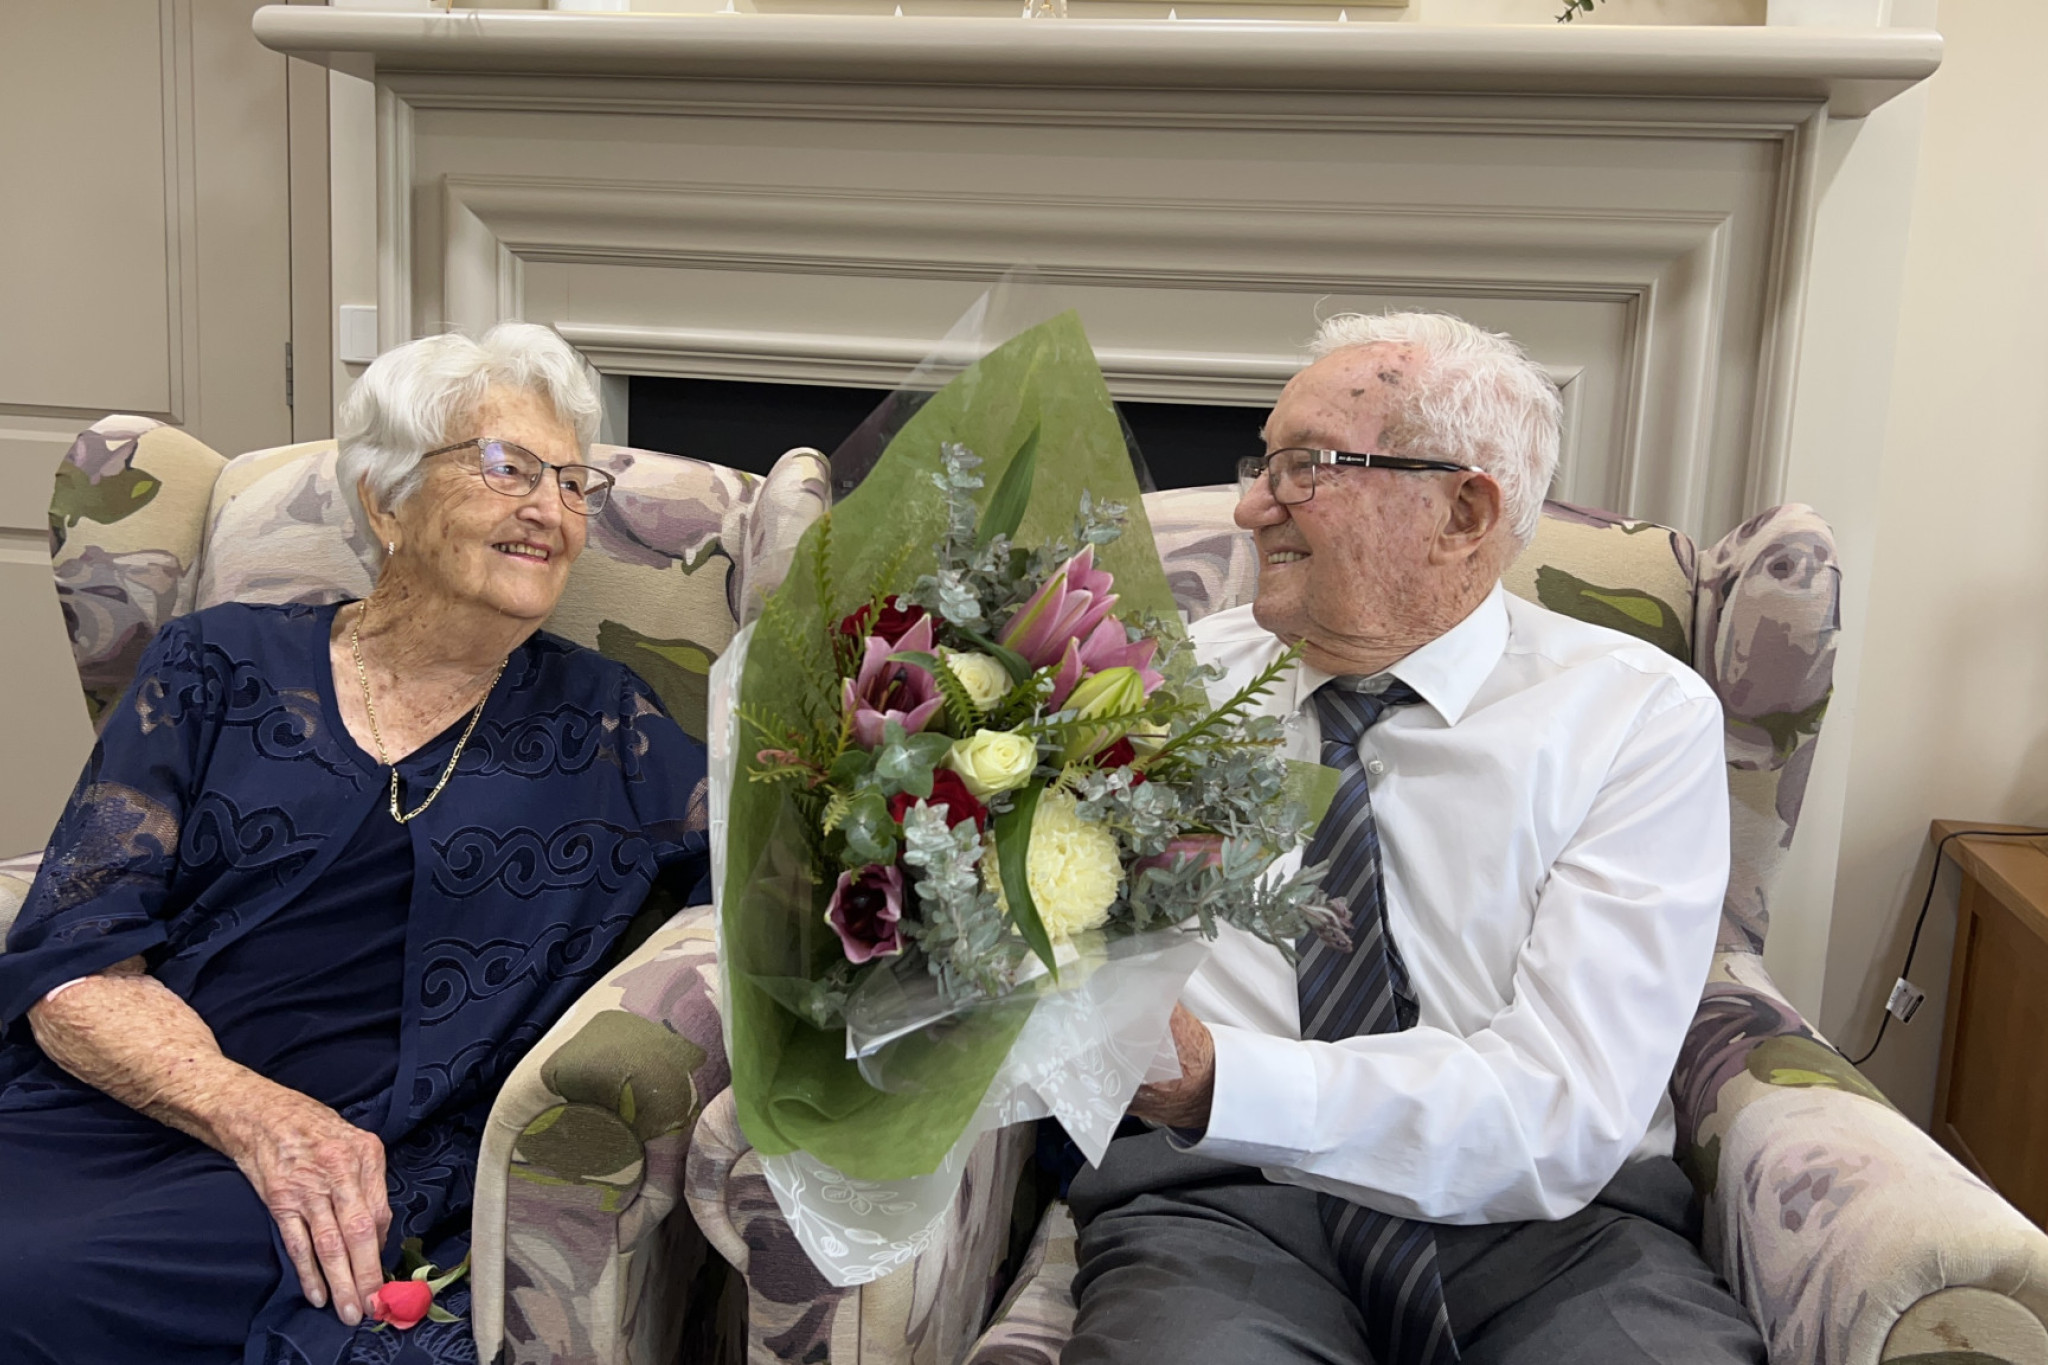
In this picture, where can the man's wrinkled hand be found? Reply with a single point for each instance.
(1183, 1102)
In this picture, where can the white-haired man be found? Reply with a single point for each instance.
(1452, 1140)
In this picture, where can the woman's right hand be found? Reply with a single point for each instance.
(323, 1180)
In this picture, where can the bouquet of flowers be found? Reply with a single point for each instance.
(981, 814)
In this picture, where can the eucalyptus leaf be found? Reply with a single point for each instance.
(870, 833)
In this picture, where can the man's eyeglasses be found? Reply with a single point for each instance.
(1290, 473)
(516, 471)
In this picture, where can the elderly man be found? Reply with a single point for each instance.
(1452, 1141)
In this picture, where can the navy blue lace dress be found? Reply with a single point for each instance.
(228, 830)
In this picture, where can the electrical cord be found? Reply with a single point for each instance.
(1920, 922)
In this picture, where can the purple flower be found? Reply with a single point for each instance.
(1069, 608)
(867, 911)
(886, 691)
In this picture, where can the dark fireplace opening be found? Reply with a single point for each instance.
(747, 425)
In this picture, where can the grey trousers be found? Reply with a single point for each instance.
(1199, 1262)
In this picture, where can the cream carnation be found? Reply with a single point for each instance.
(1072, 866)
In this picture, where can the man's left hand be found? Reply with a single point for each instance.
(1183, 1103)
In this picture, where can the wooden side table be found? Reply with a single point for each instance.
(1991, 1096)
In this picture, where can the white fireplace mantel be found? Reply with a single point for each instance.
(1852, 70)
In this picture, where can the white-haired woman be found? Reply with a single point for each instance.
(328, 873)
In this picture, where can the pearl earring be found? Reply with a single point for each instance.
(391, 548)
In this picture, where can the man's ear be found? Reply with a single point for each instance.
(1472, 513)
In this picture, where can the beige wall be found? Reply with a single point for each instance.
(1952, 716)
(145, 264)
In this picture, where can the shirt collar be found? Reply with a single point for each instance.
(1447, 671)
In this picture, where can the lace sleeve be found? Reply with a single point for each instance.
(100, 894)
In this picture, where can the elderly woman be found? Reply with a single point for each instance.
(328, 874)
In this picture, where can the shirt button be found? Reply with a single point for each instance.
(1375, 767)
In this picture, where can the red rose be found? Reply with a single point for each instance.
(948, 791)
(402, 1303)
(890, 625)
(1121, 755)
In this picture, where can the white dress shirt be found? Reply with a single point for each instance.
(1554, 822)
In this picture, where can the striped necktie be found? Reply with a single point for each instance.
(1390, 1262)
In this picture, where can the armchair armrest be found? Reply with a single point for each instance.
(16, 876)
(1846, 1231)
(582, 1164)
(927, 1312)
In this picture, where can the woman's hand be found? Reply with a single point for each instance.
(322, 1179)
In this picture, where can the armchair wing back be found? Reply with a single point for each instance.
(147, 523)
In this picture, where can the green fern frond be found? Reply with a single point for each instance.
(965, 716)
(1231, 713)
(835, 812)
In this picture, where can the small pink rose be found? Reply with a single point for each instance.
(402, 1303)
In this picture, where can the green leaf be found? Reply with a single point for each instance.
(901, 767)
(1013, 856)
(436, 1313)
(412, 1254)
(423, 1273)
(441, 1282)
(1007, 505)
(870, 833)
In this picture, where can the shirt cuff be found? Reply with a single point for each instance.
(1264, 1103)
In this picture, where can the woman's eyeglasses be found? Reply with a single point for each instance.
(1290, 473)
(516, 471)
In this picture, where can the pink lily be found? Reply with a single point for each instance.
(1069, 607)
(1104, 648)
(885, 691)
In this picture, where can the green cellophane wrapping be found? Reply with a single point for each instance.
(794, 1087)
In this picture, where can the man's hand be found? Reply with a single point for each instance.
(1183, 1103)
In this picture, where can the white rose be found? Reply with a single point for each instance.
(986, 680)
(1072, 865)
(991, 761)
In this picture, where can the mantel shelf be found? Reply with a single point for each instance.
(1853, 70)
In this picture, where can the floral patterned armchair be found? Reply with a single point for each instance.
(575, 1256)
(1847, 1232)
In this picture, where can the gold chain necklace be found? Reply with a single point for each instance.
(355, 645)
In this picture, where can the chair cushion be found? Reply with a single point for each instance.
(654, 588)
(125, 524)
(1632, 576)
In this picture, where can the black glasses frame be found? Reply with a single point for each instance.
(1252, 467)
(593, 496)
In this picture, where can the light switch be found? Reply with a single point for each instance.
(356, 343)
